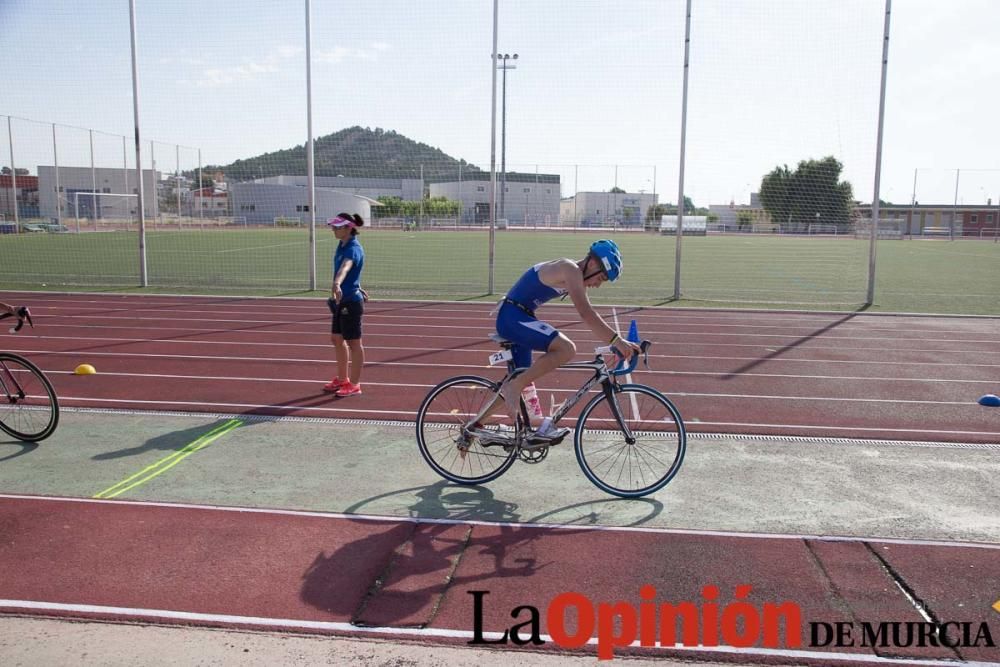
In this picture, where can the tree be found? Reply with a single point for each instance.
(617, 190)
(811, 193)
(744, 220)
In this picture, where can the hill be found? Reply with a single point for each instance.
(357, 152)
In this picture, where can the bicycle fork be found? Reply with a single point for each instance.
(616, 410)
(11, 389)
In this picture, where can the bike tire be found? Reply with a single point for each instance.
(443, 412)
(34, 416)
(665, 446)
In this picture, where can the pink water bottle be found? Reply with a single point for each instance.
(530, 396)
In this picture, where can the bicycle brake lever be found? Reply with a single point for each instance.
(644, 348)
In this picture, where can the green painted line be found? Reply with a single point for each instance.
(168, 462)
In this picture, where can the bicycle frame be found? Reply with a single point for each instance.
(601, 376)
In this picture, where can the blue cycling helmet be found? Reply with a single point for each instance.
(607, 253)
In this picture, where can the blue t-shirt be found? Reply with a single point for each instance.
(351, 285)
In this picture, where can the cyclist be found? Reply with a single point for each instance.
(517, 323)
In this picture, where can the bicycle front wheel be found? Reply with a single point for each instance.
(630, 467)
(447, 448)
(29, 409)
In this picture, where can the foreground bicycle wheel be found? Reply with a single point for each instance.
(440, 420)
(29, 409)
(642, 466)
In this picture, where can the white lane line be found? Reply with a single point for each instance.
(480, 368)
(407, 414)
(483, 307)
(480, 351)
(506, 524)
(402, 334)
(440, 633)
(633, 400)
(483, 316)
(478, 327)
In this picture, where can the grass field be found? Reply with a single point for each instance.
(761, 270)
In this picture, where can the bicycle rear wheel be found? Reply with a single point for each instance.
(643, 464)
(448, 408)
(29, 409)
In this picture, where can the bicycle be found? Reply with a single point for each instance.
(623, 427)
(29, 408)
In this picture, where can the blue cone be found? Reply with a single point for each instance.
(633, 336)
(990, 400)
(633, 332)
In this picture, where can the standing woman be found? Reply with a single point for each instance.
(346, 302)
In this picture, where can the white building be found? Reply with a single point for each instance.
(76, 187)
(268, 203)
(410, 189)
(529, 199)
(606, 209)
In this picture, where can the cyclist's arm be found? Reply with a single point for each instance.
(577, 291)
(573, 280)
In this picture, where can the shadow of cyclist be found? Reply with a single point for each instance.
(414, 574)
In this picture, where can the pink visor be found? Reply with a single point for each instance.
(341, 222)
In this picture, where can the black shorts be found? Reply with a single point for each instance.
(346, 318)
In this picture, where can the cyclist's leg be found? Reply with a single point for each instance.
(560, 350)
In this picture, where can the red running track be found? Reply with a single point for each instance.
(751, 372)
(310, 572)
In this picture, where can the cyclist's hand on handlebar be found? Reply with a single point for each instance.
(626, 348)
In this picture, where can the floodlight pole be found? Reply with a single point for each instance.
(870, 297)
(143, 275)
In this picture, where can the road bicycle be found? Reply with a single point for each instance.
(29, 408)
(629, 438)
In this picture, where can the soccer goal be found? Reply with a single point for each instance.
(887, 229)
(824, 228)
(105, 211)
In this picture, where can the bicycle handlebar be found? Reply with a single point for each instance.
(22, 314)
(625, 370)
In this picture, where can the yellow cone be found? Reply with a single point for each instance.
(84, 369)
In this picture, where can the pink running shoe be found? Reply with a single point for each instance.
(348, 389)
(333, 385)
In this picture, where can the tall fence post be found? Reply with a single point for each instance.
(310, 163)
(493, 154)
(55, 162)
(870, 297)
(680, 185)
(13, 175)
(143, 276)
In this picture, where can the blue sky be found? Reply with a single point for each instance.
(598, 84)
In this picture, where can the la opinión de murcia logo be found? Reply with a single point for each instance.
(573, 620)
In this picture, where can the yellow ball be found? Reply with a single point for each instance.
(84, 369)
